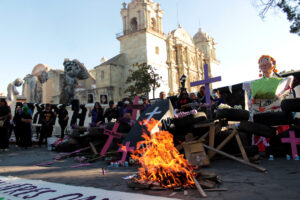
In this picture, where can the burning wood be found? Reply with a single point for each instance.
(162, 166)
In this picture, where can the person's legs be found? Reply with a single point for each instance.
(37, 130)
(17, 135)
(43, 135)
(4, 137)
(62, 127)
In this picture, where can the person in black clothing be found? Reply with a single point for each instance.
(63, 118)
(5, 116)
(201, 95)
(111, 112)
(217, 97)
(183, 100)
(38, 119)
(48, 117)
(18, 126)
(25, 127)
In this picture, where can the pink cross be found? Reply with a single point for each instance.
(135, 107)
(125, 150)
(134, 110)
(294, 141)
(111, 134)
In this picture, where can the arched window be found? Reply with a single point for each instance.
(133, 24)
(153, 24)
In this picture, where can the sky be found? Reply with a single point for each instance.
(48, 31)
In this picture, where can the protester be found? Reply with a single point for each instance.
(126, 122)
(217, 97)
(183, 100)
(17, 123)
(5, 117)
(162, 95)
(111, 112)
(63, 118)
(201, 95)
(97, 114)
(25, 127)
(48, 118)
(146, 104)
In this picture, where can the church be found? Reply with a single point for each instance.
(143, 41)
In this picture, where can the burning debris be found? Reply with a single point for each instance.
(162, 166)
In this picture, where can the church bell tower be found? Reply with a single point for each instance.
(142, 38)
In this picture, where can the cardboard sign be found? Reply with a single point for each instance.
(161, 110)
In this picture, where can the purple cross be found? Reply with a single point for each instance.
(125, 150)
(111, 134)
(206, 82)
(294, 141)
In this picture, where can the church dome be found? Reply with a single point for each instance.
(200, 36)
(183, 35)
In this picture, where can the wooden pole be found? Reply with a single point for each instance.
(236, 159)
(199, 188)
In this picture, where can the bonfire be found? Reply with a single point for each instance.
(161, 163)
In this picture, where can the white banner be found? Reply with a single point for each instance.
(12, 188)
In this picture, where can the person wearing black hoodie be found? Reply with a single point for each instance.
(5, 117)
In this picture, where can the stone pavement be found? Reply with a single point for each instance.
(281, 182)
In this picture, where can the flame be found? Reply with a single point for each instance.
(122, 147)
(161, 162)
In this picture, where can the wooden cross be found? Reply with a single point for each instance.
(111, 135)
(206, 82)
(294, 141)
(125, 150)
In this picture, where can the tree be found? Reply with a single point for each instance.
(142, 79)
(290, 7)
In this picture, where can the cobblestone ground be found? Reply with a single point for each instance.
(281, 182)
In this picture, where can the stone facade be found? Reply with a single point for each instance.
(143, 41)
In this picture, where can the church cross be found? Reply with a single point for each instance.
(111, 135)
(206, 82)
(294, 141)
(125, 150)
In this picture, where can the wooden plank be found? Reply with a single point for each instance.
(93, 148)
(185, 192)
(238, 139)
(211, 138)
(199, 188)
(201, 125)
(235, 158)
(216, 190)
(220, 146)
(204, 136)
